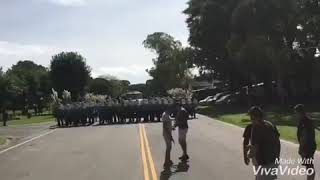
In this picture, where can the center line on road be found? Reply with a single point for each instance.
(151, 162)
(143, 155)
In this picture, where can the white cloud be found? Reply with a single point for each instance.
(17, 49)
(69, 2)
(11, 52)
(38, 29)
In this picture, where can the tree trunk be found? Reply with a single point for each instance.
(281, 91)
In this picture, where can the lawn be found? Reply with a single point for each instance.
(284, 120)
(33, 120)
(2, 140)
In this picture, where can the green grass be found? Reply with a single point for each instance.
(33, 120)
(285, 121)
(2, 140)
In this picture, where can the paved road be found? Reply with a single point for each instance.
(18, 134)
(131, 152)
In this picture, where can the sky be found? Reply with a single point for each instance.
(108, 33)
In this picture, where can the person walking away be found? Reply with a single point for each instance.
(306, 139)
(265, 145)
(167, 135)
(182, 123)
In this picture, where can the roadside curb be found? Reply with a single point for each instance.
(31, 124)
(232, 125)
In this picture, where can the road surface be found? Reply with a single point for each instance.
(132, 152)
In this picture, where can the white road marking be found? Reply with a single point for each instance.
(20, 144)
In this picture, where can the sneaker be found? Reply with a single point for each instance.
(184, 157)
(168, 164)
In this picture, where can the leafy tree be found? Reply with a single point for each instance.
(4, 90)
(138, 87)
(30, 83)
(69, 71)
(117, 87)
(100, 86)
(171, 66)
(247, 42)
(210, 29)
(308, 42)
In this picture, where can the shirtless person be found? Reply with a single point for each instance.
(167, 135)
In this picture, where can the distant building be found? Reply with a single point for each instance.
(132, 95)
(203, 84)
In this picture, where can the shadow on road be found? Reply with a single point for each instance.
(167, 172)
(183, 166)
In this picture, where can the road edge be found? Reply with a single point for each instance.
(235, 126)
(25, 142)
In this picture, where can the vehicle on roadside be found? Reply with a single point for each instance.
(206, 100)
(224, 99)
(210, 100)
(228, 99)
(220, 95)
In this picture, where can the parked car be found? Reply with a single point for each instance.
(210, 101)
(205, 92)
(204, 101)
(228, 99)
(219, 95)
(223, 100)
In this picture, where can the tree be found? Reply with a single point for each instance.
(210, 29)
(247, 42)
(138, 87)
(308, 42)
(100, 86)
(69, 71)
(179, 93)
(4, 90)
(171, 66)
(117, 87)
(30, 83)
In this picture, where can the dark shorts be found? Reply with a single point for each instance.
(308, 160)
(182, 132)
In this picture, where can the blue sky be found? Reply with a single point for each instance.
(108, 33)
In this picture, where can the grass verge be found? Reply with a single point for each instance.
(33, 120)
(3, 140)
(285, 121)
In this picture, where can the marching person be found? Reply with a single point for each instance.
(306, 138)
(167, 135)
(265, 144)
(182, 123)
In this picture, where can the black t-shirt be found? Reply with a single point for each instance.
(182, 119)
(306, 136)
(267, 138)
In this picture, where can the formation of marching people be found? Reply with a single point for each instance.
(261, 144)
(115, 111)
